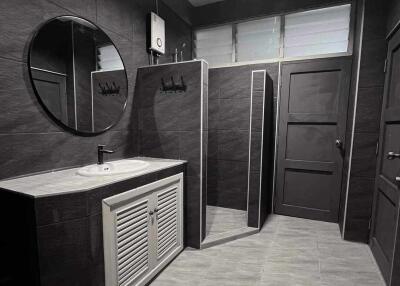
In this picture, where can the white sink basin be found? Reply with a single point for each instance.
(113, 168)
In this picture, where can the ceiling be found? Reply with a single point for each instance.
(197, 3)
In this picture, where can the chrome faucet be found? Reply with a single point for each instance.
(100, 153)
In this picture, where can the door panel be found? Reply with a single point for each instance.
(307, 188)
(317, 138)
(385, 214)
(313, 111)
(52, 90)
(309, 96)
(385, 224)
(394, 90)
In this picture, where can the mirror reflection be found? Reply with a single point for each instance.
(78, 75)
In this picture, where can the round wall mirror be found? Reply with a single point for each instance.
(78, 75)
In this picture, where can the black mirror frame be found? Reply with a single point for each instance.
(48, 112)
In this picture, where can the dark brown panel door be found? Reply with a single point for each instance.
(312, 122)
(386, 196)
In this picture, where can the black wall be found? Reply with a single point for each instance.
(393, 14)
(366, 131)
(229, 124)
(170, 127)
(29, 140)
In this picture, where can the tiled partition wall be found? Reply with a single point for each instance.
(174, 125)
(29, 140)
(230, 104)
(365, 102)
(259, 188)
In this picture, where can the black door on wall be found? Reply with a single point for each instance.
(386, 196)
(312, 123)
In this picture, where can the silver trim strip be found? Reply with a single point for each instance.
(91, 93)
(249, 153)
(354, 117)
(49, 71)
(278, 100)
(393, 30)
(74, 75)
(201, 148)
(173, 63)
(262, 136)
(261, 158)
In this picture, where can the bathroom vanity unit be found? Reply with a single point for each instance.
(52, 225)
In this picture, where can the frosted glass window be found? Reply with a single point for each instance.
(215, 45)
(258, 40)
(317, 32)
(108, 58)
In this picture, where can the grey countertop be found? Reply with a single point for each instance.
(68, 181)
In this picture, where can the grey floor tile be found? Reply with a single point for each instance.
(286, 252)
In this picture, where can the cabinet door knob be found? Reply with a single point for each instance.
(393, 155)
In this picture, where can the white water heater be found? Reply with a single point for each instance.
(157, 34)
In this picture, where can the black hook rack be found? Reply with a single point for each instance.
(109, 89)
(172, 86)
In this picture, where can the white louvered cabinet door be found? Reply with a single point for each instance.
(127, 242)
(169, 227)
(142, 230)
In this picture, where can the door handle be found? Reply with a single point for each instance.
(339, 144)
(392, 156)
(151, 213)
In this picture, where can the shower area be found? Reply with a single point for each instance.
(240, 120)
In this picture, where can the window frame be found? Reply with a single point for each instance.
(281, 57)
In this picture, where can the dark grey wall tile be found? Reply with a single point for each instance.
(116, 16)
(212, 145)
(192, 212)
(360, 198)
(254, 199)
(234, 114)
(258, 81)
(255, 157)
(18, 21)
(372, 63)
(61, 150)
(368, 109)
(213, 114)
(364, 157)
(257, 113)
(163, 144)
(13, 75)
(357, 230)
(189, 149)
(85, 8)
(233, 145)
(69, 240)
(231, 197)
(23, 113)
(393, 17)
(56, 209)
